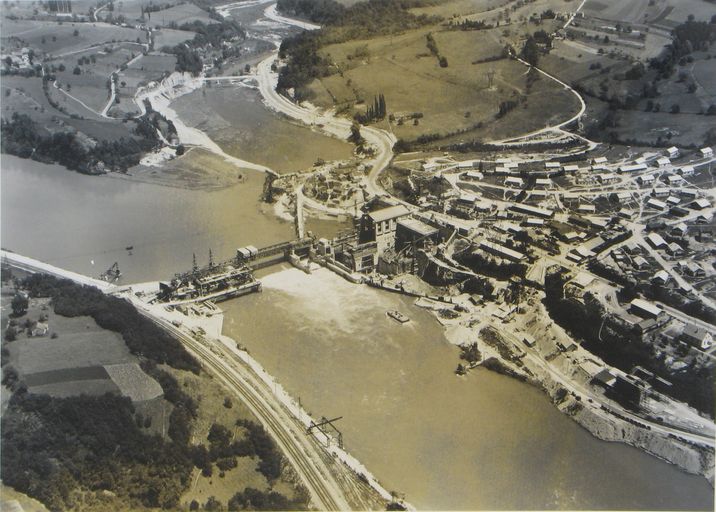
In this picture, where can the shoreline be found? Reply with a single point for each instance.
(212, 327)
(599, 421)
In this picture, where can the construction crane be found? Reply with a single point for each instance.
(112, 273)
(323, 422)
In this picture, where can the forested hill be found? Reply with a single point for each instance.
(340, 23)
(371, 15)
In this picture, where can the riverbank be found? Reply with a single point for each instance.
(447, 442)
(207, 324)
(568, 386)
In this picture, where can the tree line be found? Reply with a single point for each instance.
(88, 444)
(142, 336)
(23, 137)
(340, 23)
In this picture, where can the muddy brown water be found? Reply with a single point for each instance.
(85, 223)
(483, 441)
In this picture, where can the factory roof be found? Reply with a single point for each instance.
(391, 212)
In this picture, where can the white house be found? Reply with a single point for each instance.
(697, 337)
(513, 181)
(674, 179)
(646, 179)
(632, 168)
(656, 204)
(672, 152)
(706, 152)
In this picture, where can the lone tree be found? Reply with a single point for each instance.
(530, 52)
(19, 304)
(355, 137)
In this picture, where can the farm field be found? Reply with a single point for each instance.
(59, 39)
(139, 72)
(170, 37)
(236, 119)
(26, 95)
(91, 85)
(671, 114)
(73, 356)
(176, 15)
(450, 98)
(511, 17)
(681, 9)
(625, 12)
(180, 14)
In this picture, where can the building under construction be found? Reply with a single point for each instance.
(213, 282)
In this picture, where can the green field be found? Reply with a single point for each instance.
(210, 396)
(59, 38)
(179, 14)
(170, 37)
(452, 98)
(70, 358)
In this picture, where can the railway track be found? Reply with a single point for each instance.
(291, 438)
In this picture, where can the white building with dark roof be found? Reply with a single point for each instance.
(697, 337)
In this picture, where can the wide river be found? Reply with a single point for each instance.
(479, 442)
(484, 441)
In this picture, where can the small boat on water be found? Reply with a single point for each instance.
(129, 247)
(398, 316)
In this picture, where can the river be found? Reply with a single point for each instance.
(484, 441)
(85, 223)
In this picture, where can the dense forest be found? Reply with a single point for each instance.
(686, 38)
(23, 137)
(340, 23)
(62, 451)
